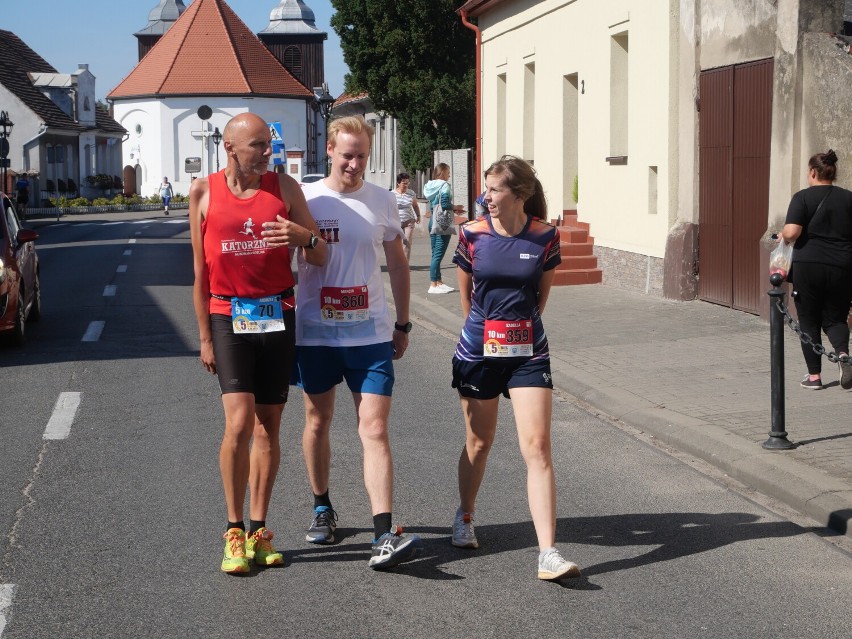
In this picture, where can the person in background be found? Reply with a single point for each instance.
(166, 193)
(438, 190)
(409, 210)
(506, 261)
(22, 190)
(479, 207)
(244, 300)
(819, 221)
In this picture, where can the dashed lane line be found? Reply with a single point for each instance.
(122, 268)
(109, 290)
(64, 412)
(93, 333)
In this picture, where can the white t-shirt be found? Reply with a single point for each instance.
(355, 226)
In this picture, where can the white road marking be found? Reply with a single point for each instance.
(127, 252)
(93, 333)
(121, 269)
(59, 425)
(7, 594)
(132, 240)
(109, 290)
(138, 233)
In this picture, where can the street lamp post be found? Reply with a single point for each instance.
(217, 138)
(5, 130)
(325, 102)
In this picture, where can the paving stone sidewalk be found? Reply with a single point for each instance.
(693, 374)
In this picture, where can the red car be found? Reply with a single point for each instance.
(20, 295)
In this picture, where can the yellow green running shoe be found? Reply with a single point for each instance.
(259, 547)
(235, 560)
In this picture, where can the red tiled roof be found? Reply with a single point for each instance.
(344, 98)
(209, 51)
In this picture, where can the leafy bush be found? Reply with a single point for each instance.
(134, 199)
(154, 199)
(100, 201)
(79, 201)
(180, 197)
(118, 200)
(60, 202)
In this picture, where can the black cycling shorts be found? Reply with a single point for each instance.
(488, 378)
(258, 363)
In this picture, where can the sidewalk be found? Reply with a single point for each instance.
(692, 374)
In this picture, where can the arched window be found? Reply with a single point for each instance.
(293, 59)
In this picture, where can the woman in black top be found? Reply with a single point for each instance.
(819, 221)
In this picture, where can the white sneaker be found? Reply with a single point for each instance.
(464, 535)
(445, 289)
(435, 290)
(552, 566)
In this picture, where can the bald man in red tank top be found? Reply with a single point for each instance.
(244, 304)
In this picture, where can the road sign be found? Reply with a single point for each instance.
(277, 133)
(192, 165)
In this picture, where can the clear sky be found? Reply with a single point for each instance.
(100, 33)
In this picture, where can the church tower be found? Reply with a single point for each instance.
(292, 37)
(160, 19)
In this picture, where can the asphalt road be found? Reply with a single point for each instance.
(115, 530)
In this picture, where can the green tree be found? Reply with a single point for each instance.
(416, 61)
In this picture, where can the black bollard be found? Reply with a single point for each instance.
(777, 436)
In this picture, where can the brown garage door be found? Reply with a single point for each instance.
(735, 129)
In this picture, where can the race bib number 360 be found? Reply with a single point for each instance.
(508, 339)
(257, 315)
(344, 304)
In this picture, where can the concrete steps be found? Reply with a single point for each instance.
(579, 264)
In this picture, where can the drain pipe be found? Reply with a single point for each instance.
(477, 160)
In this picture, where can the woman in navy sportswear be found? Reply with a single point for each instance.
(506, 261)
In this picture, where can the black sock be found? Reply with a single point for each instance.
(237, 524)
(322, 500)
(381, 524)
(255, 525)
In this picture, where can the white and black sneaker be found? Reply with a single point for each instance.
(393, 548)
(323, 526)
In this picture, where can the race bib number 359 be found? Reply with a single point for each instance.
(508, 339)
(344, 304)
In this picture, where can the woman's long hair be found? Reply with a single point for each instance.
(520, 178)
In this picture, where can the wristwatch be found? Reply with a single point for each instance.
(403, 328)
(312, 243)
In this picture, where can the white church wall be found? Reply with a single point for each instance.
(164, 133)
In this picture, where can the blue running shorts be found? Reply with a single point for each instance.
(366, 369)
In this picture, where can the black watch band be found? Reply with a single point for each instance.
(403, 328)
(312, 243)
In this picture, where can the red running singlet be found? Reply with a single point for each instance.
(239, 261)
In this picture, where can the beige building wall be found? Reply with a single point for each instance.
(608, 90)
(565, 49)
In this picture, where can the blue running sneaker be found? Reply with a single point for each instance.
(323, 526)
(394, 548)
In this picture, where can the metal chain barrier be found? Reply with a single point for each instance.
(819, 349)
